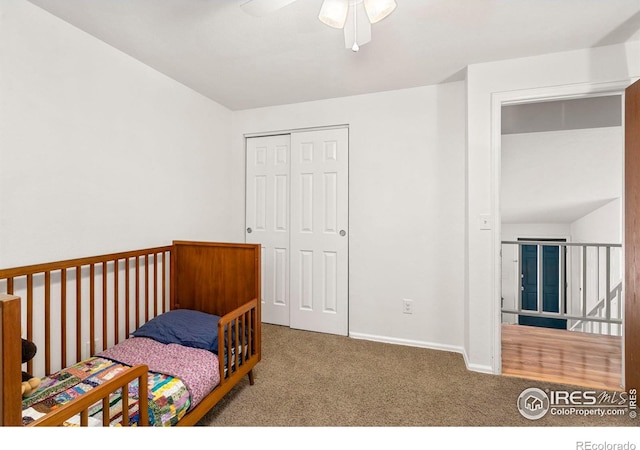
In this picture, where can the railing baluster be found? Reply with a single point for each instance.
(597, 274)
(584, 281)
(562, 285)
(607, 281)
(540, 296)
(519, 286)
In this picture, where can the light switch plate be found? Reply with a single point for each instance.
(485, 221)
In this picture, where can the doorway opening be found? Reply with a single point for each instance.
(561, 174)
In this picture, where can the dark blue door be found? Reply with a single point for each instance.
(550, 286)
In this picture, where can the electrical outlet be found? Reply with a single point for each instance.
(407, 306)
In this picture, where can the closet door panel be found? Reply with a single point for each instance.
(319, 231)
(267, 219)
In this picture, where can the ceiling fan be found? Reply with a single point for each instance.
(354, 16)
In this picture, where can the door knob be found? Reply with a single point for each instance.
(249, 230)
(343, 233)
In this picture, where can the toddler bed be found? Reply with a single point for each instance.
(157, 336)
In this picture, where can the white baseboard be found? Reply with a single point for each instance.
(407, 342)
(482, 368)
(423, 344)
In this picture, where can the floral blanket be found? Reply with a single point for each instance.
(197, 368)
(173, 386)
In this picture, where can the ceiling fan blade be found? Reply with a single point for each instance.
(260, 8)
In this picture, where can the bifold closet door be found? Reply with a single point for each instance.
(267, 219)
(319, 231)
(297, 209)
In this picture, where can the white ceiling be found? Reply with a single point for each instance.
(289, 56)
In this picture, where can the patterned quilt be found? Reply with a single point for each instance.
(173, 386)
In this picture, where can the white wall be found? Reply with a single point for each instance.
(535, 77)
(604, 225)
(406, 206)
(556, 176)
(98, 152)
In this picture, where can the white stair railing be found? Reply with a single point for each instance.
(599, 310)
(584, 267)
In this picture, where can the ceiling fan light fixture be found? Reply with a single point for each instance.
(379, 9)
(334, 12)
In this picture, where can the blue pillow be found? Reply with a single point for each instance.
(183, 326)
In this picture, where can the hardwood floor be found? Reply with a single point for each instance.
(562, 356)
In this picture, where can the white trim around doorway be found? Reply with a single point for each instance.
(499, 99)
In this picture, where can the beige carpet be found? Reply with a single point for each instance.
(308, 379)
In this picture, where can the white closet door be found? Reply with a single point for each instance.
(319, 227)
(267, 220)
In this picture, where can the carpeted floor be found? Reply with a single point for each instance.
(308, 379)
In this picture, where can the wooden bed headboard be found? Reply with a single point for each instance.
(197, 268)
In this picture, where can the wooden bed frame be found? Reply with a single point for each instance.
(132, 287)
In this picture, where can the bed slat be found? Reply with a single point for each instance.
(104, 304)
(116, 303)
(47, 322)
(127, 297)
(63, 317)
(78, 312)
(137, 291)
(146, 290)
(29, 316)
(92, 309)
